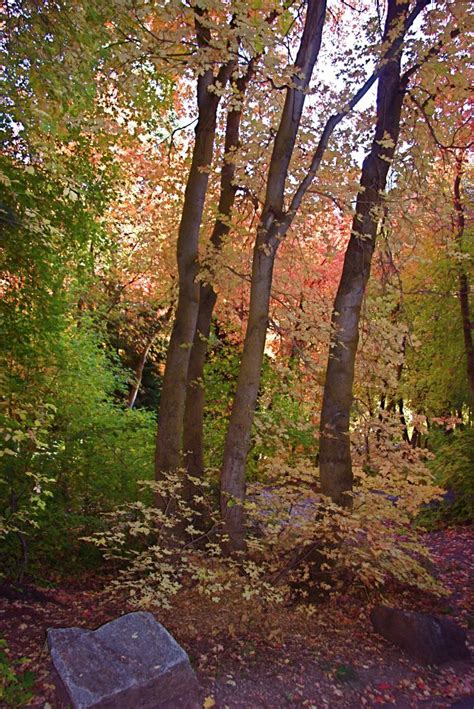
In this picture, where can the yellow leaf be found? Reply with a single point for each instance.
(209, 702)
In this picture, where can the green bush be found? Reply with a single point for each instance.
(281, 419)
(453, 469)
(15, 685)
(64, 463)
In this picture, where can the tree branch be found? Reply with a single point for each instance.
(336, 118)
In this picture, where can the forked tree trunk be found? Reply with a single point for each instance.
(170, 419)
(334, 454)
(463, 281)
(193, 429)
(232, 483)
(274, 224)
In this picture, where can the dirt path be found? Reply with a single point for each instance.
(282, 658)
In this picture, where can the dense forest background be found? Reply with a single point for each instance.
(227, 174)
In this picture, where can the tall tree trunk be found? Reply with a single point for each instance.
(193, 425)
(170, 419)
(463, 287)
(274, 224)
(232, 483)
(334, 455)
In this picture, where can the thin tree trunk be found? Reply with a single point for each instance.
(415, 438)
(334, 455)
(391, 405)
(193, 425)
(170, 419)
(403, 421)
(162, 320)
(23, 542)
(132, 397)
(232, 483)
(463, 288)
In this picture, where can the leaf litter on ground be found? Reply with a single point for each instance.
(279, 658)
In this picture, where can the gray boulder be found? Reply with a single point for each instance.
(426, 638)
(130, 662)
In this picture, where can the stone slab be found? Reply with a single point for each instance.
(130, 662)
(426, 638)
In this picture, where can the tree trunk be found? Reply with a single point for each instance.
(403, 421)
(138, 376)
(463, 288)
(274, 224)
(237, 444)
(170, 419)
(415, 438)
(334, 455)
(232, 483)
(193, 425)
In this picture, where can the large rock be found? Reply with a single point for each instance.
(130, 662)
(426, 638)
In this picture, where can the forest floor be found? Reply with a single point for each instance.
(280, 658)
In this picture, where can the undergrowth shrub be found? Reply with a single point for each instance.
(68, 452)
(453, 469)
(161, 551)
(321, 546)
(24, 488)
(16, 684)
(297, 539)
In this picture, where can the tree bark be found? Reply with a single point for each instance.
(334, 455)
(463, 281)
(193, 425)
(170, 419)
(232, 482)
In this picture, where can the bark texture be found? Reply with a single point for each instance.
(170, 420)
(193, 444)
(334, 455)
(232, 484)
(463, 281)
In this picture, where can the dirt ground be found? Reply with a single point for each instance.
(281, 658)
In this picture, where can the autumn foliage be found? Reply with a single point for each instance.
(235, 300)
